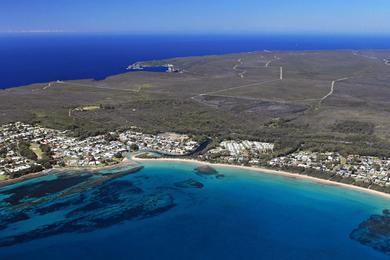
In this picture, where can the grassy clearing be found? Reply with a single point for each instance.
(37, 150)
(3, 177)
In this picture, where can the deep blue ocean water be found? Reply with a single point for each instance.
(240, 215)
(33, 58)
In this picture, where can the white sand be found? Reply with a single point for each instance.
(275, 172)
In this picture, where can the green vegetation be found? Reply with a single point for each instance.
(46, 160)
(25, 151)
(134, 147)
(37, 150)
(354, 127)
(148, 156)
(210, 99)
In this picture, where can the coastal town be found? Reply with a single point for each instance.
(26, 148)
(166, 143)
(241, 152)
(362, 169)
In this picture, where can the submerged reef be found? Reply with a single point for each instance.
(374, 232)
(206, 170)
(41, 189)
(113, 203)
(78, 201)
(85, 201)
(190, 183)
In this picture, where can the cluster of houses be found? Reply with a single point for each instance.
(239, 151)
(11, 163)
(167, 143)
(66, 150)
(170, 68)
(366, 169)
(92, 151)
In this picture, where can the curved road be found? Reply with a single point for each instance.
(332, 89)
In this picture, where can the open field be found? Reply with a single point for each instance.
(37, 150)
(337, 100)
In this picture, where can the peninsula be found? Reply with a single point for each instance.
(323, 114)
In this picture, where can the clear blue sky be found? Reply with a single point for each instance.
(197, 16)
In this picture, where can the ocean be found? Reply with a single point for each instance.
(40, 57)
(169, 211)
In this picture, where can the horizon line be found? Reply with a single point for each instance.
(217, 33)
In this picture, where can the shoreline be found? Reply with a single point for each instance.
(134, 160)
(92, 169)
(273, 172)
(215, 53)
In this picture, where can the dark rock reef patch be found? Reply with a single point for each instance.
(14, 217)
(206, 170)
(190, 183)
(89, 202)
(43, 188)
(58, 205)
(374, 232)
(101, 206)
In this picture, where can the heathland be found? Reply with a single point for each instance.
(324, 100)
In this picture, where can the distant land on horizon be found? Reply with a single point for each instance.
(223, 129)
(327, 100)
(43, 57)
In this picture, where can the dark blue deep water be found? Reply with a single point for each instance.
(32, 58)
(168, 211)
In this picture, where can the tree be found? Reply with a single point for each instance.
(25, 151)
(134, 147)
(118, 155)
(36, 168)
(46, 163)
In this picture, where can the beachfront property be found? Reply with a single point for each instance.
(364, 169)
(240, 151)
(66, 150)
(62, 149)
(166, 143)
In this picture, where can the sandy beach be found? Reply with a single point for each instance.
(274, 172)
(135, 159)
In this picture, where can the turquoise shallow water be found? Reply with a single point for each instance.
(157, 213)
